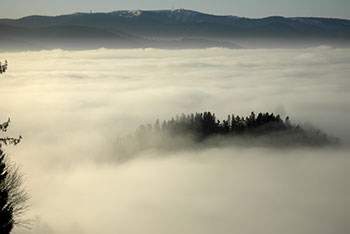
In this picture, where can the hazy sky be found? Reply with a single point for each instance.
(247, 8)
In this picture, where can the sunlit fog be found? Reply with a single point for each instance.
(74, 108)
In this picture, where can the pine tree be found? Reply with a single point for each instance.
(13, 197)
(6, 209)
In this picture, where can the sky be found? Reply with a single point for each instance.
(243, 8)
(74, 107)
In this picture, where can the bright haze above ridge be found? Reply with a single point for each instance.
(178, 28)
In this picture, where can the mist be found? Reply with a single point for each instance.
(73, 107)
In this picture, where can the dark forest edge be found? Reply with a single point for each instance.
(202, 130)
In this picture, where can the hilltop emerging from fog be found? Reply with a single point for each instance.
(168, 29)
(203, 130)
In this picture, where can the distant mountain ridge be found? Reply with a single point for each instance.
(167, 28)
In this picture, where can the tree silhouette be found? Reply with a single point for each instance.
(202, 126)
(13, 197)
(206, 124)
(3, 67)
(6, 210)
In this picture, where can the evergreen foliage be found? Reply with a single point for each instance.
(13, 197)
(3, 67)
(6, 209)
(203, 126)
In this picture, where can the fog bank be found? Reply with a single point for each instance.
(72, 107)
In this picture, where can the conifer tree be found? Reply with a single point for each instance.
(13, 197)
(6, 209)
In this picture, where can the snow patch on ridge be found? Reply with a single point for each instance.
(128, 13)
(135, 13)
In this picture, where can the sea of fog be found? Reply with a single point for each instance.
(73, 107)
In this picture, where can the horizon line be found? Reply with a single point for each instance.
(155, 10)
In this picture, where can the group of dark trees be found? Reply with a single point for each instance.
(201, 126)
(13, 197)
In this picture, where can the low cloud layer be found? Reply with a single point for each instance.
(71, 107)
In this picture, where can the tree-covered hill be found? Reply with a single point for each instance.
(203, 130)
(169, 29)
